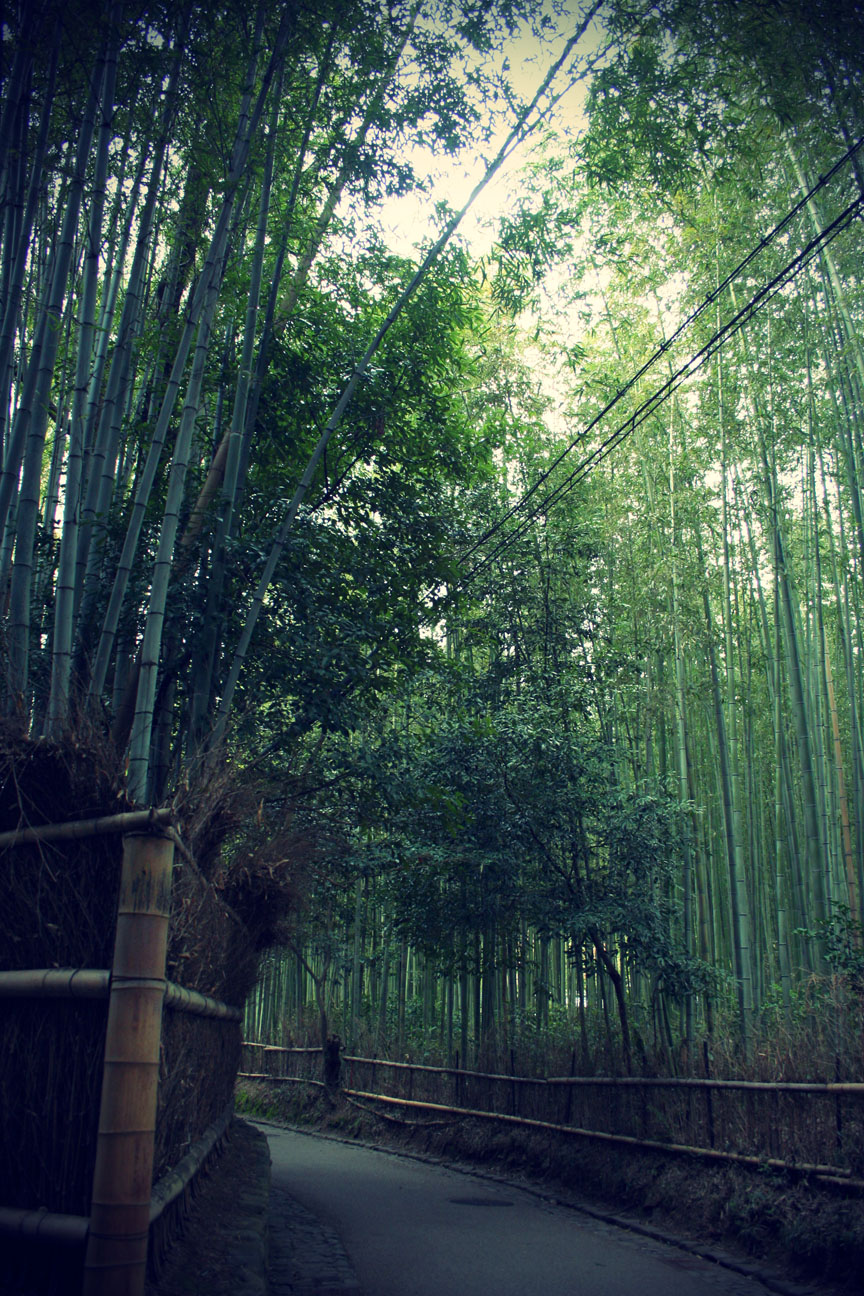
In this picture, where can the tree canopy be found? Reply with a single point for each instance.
(521, 575)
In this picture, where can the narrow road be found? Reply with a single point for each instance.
(413, 1229)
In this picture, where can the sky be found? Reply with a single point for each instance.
(409, 220)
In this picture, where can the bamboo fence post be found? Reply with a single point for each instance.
(116, 1259)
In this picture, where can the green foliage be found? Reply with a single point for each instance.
(842, 937)
(505, 818)
(384, 515)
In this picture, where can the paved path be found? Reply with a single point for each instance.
(372, 1224)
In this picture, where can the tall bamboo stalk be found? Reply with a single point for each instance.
(30, 424)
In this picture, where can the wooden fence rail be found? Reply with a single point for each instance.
(93, 983)
(124, 1203)
(814, 1129)
(620, 1082)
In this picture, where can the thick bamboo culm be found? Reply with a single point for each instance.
(128, 822)
(93, 983)
(116, 1259)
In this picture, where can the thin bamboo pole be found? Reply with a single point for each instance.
(128, 822)
(276, 1048)
(94, 983)
(55, 983)
(71, 1230)
(116, 1259)
(172, 1184)
(199, 1005)
(633, 1082)
(835, 1174)
(271, 1079)
(43, 1226)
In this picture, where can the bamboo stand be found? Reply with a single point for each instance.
(116, 1260)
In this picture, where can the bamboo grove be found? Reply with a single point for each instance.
(171, 177)
(519, 593)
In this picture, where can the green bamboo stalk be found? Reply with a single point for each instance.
(31, 419)
(14, 269)
(684, 785)
(61, 666)
(518, 132)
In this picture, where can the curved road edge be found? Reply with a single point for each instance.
(769, 1278)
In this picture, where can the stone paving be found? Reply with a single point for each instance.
(306, 1256)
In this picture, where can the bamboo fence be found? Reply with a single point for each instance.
(815, 1130)
(125, 1203)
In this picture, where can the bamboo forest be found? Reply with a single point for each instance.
(433, 457)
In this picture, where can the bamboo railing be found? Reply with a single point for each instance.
(801, 1128)
(125, 1203)
(92, 983)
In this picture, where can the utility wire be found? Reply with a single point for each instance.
(649, 406)
(662, 393)
(661, 350)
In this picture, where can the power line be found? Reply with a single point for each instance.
(661, 350)
(691, 366)
(662, 394)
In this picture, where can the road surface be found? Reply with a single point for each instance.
(414, 1229)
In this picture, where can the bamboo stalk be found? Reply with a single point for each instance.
(172, 1184)
(200, 1005)
(43, 1226)
(116, 1259)
(524, 126)
(93, 983)
(55, 983)
(128, 822)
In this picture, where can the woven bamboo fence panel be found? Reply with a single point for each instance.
(79, 1201)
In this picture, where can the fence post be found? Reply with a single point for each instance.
(569, 1108)
(514, 1088)
(709, 1103)
(116, 1259)
(332, 1063)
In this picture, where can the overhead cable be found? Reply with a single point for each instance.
(759, 299)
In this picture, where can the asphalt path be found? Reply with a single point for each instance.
(411, 1228)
